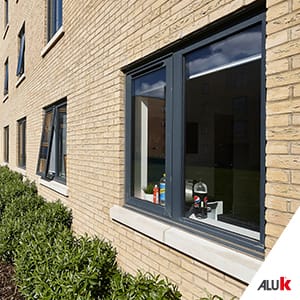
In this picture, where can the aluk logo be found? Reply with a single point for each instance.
(282, 284)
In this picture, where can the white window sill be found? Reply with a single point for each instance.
(55, 186)
(5, 98)
(56, 37)
(229, 261)
(20, 79)
(5, 31)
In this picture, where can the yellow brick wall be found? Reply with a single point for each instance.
(283, 131)
(99, 38)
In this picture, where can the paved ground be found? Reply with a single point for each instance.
(8, 289)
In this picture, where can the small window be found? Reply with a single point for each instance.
(54, 17)
(5, 13)
(6, 78)
(21, 143)
(21, 58)
(53, 149)
(6, 144)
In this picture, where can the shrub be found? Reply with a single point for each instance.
(142, 287)
(21, 215)
(58, 266)
(12, 187)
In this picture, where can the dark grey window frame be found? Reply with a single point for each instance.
(23, 136)
(21, 57)
(54, 127)
(6, 77)
(6, 144)
(55, 17)
(173, 212)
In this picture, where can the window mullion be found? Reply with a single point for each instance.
(178, 138)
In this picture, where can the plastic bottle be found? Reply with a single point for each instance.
(162, 190)
(156, 194)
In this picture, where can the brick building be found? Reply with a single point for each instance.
(100, 98)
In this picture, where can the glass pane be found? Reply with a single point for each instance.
(222, 157)
(149, 100)
(21, 143)
(62, 141)
(233, 50)
(46, 136)
(6, 144)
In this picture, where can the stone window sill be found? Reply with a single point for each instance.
(20, 79)
(229, 261)
(56, 37)
(5, 31)
(55, 186)
(5, 98)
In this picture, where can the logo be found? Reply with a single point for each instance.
(281, 284)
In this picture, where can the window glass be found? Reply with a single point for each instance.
(222, 131)
(6, 144)
(5, 12)
(22, 143)
(54, 16)
(53, 151)
(62, 141)
(6, 78)
(46, 137)
(20, 66)
(148, 161)
(237, 49)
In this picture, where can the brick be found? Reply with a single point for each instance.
(295, 148)
(296, 177)
(278, 120)
(279, 218)
(278, 175)
(280, 147)
(283, 190)
(274, 230)
(277, 203)
(277, 66)
(277, 11)
(278, 93)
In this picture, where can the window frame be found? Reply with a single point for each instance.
(21, 124)
(173, 213)
(53, 127)
(6, 144)
(21, 52)
(55, 17)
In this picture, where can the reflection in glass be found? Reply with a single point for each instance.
(62, 141)
(222, 110)
(46, 136)
(237, 49)
(148, 131)
(22, 143)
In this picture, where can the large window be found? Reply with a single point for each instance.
(6, 144)
(195, 130)
(21, 143)
(21, 58)
(5, 90)
(55, 8)
(53, 149)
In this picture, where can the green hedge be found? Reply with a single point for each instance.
(51, 263)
